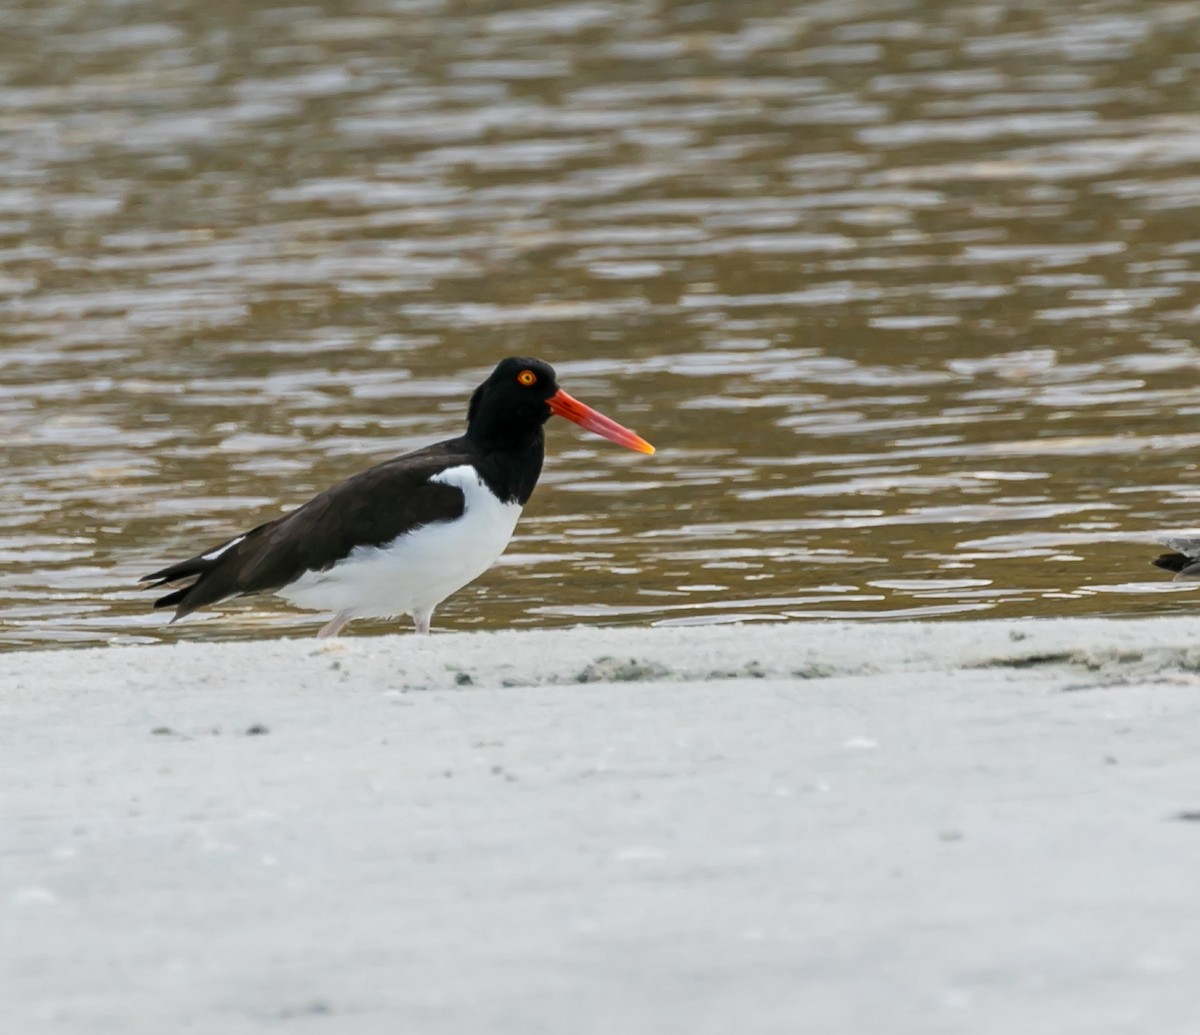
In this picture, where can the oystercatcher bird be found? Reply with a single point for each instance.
(1184, 558)
(400, 537)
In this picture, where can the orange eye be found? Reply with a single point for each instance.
(527, 378)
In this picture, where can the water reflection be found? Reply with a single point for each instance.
(904, 292)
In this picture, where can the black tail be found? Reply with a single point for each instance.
(1184, 558)
(189, 572)
(203, 579)
(1180, 563)
(171, 599)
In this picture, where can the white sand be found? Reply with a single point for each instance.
(812, 828)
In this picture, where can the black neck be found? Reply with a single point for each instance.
(511, 469)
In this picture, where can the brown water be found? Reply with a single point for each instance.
(905, 292)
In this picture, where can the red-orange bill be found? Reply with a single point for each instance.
(562, 405)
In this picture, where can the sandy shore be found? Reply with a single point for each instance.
(972, 827)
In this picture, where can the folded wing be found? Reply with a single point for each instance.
(372, 508)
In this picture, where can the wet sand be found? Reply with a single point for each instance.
(963, 827)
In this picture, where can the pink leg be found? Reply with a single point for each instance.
(334, 626)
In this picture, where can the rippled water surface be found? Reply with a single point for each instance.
(905, 293)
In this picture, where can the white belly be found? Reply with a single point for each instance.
(418, 570)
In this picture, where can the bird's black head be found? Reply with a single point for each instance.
(508, 410)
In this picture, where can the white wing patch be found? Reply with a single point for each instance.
(416, 571)
(212, 555)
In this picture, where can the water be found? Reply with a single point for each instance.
(904, 292)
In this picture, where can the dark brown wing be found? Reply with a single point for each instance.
(369, 509)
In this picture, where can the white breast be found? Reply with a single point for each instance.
(416, 571)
